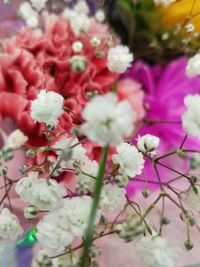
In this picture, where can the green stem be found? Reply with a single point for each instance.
(97, 193)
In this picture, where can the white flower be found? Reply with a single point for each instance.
(107, 120)
(79, 23)
(77, 46)
(163, 2)
(10, 227)
(82, 7)
(76, 213)
(148, 143)
(38, 4)
(130, 160)
(193, 198)
(89, 168)
(16, 139)
(29, 15)
(42, 193)
(119, 59)
(155, 251)
(47, 107)
(24, 185)
(113, 198)
(52, 235)
(95, 41)
(100, 15)
(66, 260)
(73, 150)
(191, 118)
(193, 66)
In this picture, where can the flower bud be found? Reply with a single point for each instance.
(3, 170)
(30, 153)
(44, 260)
(94, 252)
(78, 63)
(30, 212)
(148, 143)
(77, 46)
(146, 193)
(95, 41)
(188, 244)
(121, 181)
(23, 169)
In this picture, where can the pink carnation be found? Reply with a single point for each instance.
(31, 62)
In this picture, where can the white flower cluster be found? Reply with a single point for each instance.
(193, 66)
(113, 198)
(107, 120)
(163, 2)
(47, 108)
(16, 139)
(193, 197)
(42, 193)
(148, 143)
(129, 159)
(59, 228)
(29, 15)
(156, 251)
(38, 4)
(191, 118)
(10, 227)
(119, 59)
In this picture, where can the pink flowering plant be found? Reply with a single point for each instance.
(88, 134)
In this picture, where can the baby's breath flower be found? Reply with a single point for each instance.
(10, 227)
(16, 139)
(119, 59)
(107, 120)
(191, 118)
(129, 159)
(156, 251)
(100, 15)
(47, 108)
(38, 4)
(193, 66)
(148, 143)
(113, 198)
(77, 46)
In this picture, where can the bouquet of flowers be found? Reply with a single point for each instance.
(99, 133)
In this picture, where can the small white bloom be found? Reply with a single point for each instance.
(191, 118)
(10, 227)
(24, 185)
(47, 107)
(38, 4)
(130, 160)
(193, 66)
(193, 198)
(80, 23)
(119, 59)
(74, 151)
(189, 27)
(107, 120)
(42, 193)
(29, 15)
(53, 237)
(76, 213)
(95, 41)
(16, 139)
(81, 7)
(30, 212)
(77, 46)
(148, 143)
(100, 15)
(155, 251)
(163, 2)
(113, 198)
(78, 63)
(89, 169)
(66, 260)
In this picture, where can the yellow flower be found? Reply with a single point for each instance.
(182, 12)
